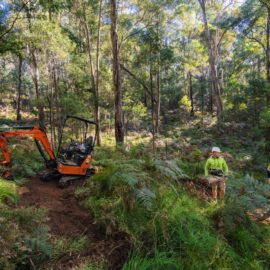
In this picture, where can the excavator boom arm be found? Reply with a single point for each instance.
(24, 132)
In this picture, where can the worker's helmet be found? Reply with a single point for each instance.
(216, 149)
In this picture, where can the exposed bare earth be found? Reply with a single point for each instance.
(67, 217)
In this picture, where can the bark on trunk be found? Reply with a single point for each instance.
(19, 117)
(56, 98)
(95, 83)
(152, 105)
(97, 112)
(158, 85)
(211, 61)
(41, 116)
(158, 97)
(211, 98)
(202, 97)
(259, 67)
(268, 51)
(191, 94)
(119, 127)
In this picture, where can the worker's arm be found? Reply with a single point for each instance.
(206, 167)
(225, 167)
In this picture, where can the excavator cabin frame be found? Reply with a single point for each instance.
(61, 166)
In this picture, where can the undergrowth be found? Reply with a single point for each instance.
(24, 241)
(7, 192)
(170, 228)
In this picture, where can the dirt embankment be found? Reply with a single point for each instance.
(66, 217)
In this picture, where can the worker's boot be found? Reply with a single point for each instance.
(222, 193)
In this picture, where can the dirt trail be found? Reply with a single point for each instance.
(68, 218)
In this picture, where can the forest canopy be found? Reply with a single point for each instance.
(135, 64)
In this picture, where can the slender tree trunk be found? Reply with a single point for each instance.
(211, 61)
(56, 98)
(202, 97)
(55, 84)
(221, 82)
(158, 97)
(211, 98)
(191, 94)
(152, 103)
(29, 90)
(157, 116)
(259, 67)
(268, 51)
(119, 127)
(97, 111)
(89, 49)
(19, 116)
(41, 116)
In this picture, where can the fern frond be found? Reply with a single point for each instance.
(145, 196)
(169, 169)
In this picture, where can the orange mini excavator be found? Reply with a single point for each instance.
(73, 158)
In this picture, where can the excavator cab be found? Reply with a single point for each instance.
(77, 141)
(74, 155)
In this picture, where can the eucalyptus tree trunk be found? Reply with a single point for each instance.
(41, 116)
(211, 97)
(89, 49)
(19, 116)
(259, 67)
(119, 127)
(157, 116)
(95, 82)
(97, 111)
(56, 89)
(202, 80)
(191, 94)
(35, 69)
(211, 61)
(152, 103)
(268, 50)
(56, 98)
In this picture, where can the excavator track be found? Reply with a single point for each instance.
(65, 181)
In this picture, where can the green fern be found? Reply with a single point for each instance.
(243, 196)
(126, 173)
(8, 191)
(169, 169)
(137, 175)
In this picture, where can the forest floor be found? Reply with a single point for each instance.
(67, 218)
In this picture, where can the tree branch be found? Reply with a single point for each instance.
(13, 23)
(257, 40)
(221, 38)
(136, 79)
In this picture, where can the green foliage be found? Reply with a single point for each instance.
(26, 159)
(185, 103)
(243, 196)
(7, 191)
(66, 245)
(177, 232)
(23, 237)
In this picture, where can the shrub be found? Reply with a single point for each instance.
(22, 238)
(8, 191)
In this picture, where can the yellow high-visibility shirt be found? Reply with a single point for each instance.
(216, 164)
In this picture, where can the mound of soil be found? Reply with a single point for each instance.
(67, 217)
